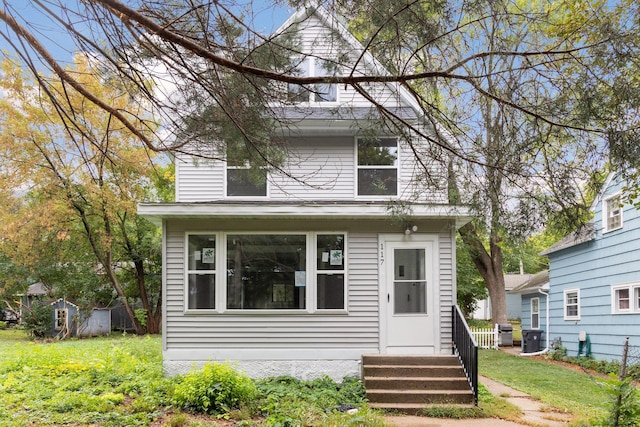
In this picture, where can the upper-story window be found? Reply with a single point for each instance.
(377, 166)
(244, 181)
(612, 213)
(321, 92)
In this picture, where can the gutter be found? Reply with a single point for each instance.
(546, 349)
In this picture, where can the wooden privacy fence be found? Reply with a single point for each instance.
(486, 337)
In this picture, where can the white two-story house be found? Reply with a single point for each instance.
(305, 271)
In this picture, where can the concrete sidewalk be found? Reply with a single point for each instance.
(533, 413)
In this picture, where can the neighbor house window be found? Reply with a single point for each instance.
(245, 181)
(266, 271)
(321, 92)
(625, 298)
(612, 213)
(330, 271)
(201, 271)
(535, 313)
(61, 316)
(572, 304)
(377, 166)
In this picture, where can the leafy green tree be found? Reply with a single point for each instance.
(78, 225)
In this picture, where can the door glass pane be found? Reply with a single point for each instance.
(409, 287)
(409, 297)
(409, 264)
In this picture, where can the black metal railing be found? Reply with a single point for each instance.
(466, 348)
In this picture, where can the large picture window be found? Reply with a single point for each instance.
(266, 271)
(201, 271)
(377, 167)
(330, 271)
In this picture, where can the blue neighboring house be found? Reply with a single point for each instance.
(595, 279)
(533, 304)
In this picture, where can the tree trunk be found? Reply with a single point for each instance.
(490, 268)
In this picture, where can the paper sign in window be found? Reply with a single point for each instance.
(301, 279)
(336, 257)
(208, 255)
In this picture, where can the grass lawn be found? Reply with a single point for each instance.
(564, 388)
(118, 381)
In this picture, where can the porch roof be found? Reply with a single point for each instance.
(156, 212)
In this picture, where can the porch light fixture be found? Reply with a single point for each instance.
(410, 229)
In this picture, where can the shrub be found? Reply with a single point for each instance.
(3, 325)
(38, 320)
(214, 389)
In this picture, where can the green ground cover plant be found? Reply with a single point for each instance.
(118, 381)
(557, 386)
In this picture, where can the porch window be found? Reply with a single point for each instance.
(535, 313)
(244, 181)
(330, 271)
(612, 213)
(201, 271)
(321, 92)
(61, 316)
(266, 271)
(377, 166)
(572, 304)
(625, 298)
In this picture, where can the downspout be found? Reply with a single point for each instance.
(546, 349)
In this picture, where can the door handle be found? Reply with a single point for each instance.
(388, 298)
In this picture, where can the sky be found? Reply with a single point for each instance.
(266, 19)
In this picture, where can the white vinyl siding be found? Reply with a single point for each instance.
(199, 180)
(356, 328)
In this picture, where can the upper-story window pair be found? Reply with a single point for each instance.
(377, 171)
(320, 92)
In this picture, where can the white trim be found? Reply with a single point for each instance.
(301, 210)
(634, 296)
(564, 305)
(226, 184)
(537, 300)
(605, 213)
(396, 167)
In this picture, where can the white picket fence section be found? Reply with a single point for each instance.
(486, 337)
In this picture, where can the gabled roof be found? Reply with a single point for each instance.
(513, 280)
(370, 62)
(539, 281)
(584, 234)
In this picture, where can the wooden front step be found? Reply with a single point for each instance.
(410, 383)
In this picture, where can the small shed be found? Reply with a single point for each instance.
(69, 320)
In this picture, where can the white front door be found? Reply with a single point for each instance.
(409, 294)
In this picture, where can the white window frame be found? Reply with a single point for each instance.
(215, 272)
(395, 167)
(606, 212)
(536, 312)
(633, 289)
(310, 70)
(221, 274)
(243, 167)
(566, 304)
